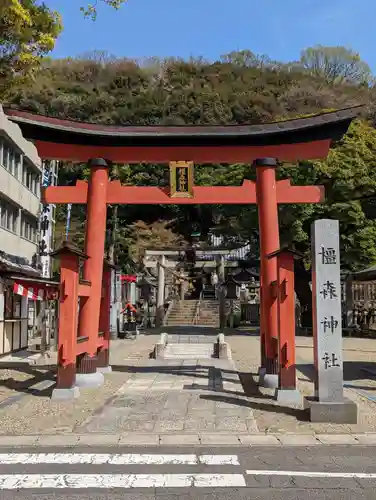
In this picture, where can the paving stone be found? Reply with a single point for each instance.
(225, 405)
(201, 405)
(99, 424)
(139, 439)
(177, 415)
(219, 439)
(177, 386)
(134, 425)
(232, 387)
(231, 424)
(176, 401)
(127, 402)
(259, 440)
(252, 426)
(161, 386)
(139, 416)
(141, 386)
(19, 440)
(336, 439)
(169, 426)
(298, 440)
(153, 408)
(98, 439)
(368, 438)
(59, 440)
(179, 439)
(235, 411)
(199, 424)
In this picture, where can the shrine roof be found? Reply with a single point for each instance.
(368, 274)
(331, 125)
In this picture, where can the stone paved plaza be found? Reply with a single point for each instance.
(176, 396)
(194, 401)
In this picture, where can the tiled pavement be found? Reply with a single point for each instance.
(176, 396)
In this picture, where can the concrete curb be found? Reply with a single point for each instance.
(203, 439)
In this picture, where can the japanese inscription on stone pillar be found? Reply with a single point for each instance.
(327, 322)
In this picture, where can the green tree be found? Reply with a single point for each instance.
(348, 176)
(90, 10)
(28, 31)
(336, 64)
(236, 90)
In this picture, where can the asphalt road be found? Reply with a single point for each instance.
(218, 473)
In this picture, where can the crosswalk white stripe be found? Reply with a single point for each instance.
(340, 475)
(116, 459)
(218, 459)
(124, 481)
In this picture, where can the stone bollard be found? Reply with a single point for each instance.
(221, 348)
(160, 346)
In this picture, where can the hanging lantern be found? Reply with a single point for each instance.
(181, 179)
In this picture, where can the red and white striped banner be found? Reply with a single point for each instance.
(35, 292)
(129, 278)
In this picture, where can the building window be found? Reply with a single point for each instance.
(11, 160)
(17, 165)
(28, 228)
(5, 156)
(12, 303)
(31, 178)
(8, 216)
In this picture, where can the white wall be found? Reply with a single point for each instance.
(13, 191)
(18, 193)
(15, 245)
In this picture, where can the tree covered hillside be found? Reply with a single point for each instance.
(241, 88)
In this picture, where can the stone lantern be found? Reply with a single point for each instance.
(232, 288)
(146, 289)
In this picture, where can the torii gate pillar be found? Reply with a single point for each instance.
(93, 267)
(267, 203)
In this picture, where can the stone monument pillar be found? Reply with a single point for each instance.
(328, 404)
(221, 294)
(160, 291)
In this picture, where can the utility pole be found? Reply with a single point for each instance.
(111, 248)
(115, 311)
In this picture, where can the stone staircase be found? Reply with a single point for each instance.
(182, 313)
(208, 292)
(209, 313)
(191, 347)
(188, 351)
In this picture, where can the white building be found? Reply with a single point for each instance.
(20, 181)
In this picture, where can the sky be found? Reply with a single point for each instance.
(210, 28)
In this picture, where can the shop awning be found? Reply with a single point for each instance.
(35, 292)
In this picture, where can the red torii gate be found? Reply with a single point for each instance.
(292, 140)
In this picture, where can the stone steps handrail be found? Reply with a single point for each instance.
(197, 312)
(169, 309)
